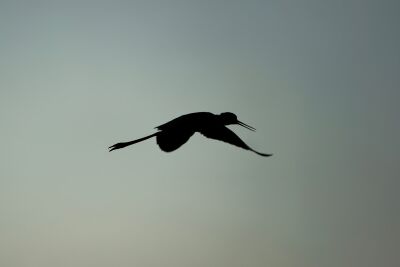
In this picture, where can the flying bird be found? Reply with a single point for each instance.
(175, 133)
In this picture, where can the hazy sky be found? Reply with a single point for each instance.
(318, 79)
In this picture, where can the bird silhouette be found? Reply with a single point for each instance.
(175, 133)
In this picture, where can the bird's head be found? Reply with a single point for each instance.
(230, 118)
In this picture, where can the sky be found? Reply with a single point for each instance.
(319, 80)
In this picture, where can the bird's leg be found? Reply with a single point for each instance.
(124, 144)
(118, 146)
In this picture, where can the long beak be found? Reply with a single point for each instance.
(246, 126)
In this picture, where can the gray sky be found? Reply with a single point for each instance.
(318, 79)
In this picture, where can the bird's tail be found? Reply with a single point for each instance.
(124, 144)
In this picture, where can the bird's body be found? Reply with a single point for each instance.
(175, 133)
(192, 121)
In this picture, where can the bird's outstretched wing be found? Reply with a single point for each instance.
(171, 140)
(222, 133)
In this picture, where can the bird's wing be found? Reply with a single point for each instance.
(222, 133)
(172, 139)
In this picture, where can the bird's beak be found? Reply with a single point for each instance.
(246, 126)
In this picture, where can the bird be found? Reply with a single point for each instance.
(173, 134)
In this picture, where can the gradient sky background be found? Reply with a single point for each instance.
(318, 79)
